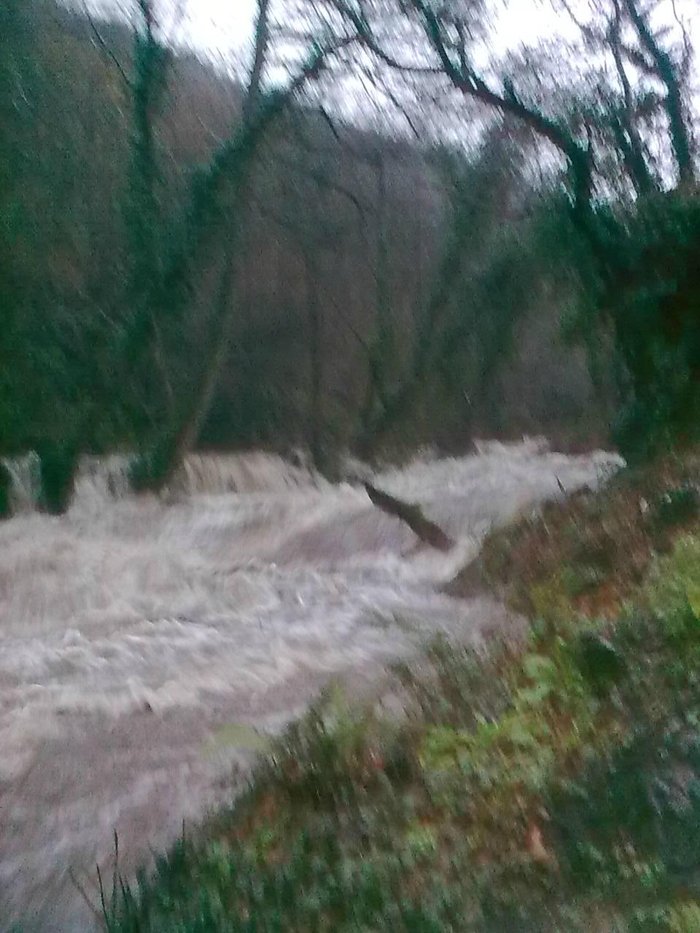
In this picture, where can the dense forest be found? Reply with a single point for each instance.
(193, 258)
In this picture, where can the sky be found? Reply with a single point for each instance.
(220, 25)
(222, 29)
(225, 25)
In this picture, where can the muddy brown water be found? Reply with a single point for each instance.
(138, 636)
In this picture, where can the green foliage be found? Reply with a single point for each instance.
(652, 296)
(318, 888)
(15, 49)
(673, 591)
(463, 688)
(684, 919)
(635, 294)
(579, 579)
(550, 715)
(600, 663)
(627, 824)
(664, 918)
(326, 751)
(59, 253)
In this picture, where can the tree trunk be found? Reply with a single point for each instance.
(262, 41)
(203, 393)
(412, 515)
(155, 471)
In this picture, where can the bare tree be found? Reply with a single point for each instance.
(655, 59)
(645, 58)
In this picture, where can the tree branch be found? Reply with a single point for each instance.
(471, 84)
(99, 40)
(367, 38)
(229, 168)
(262, 41)
(629, 137)
(666, 72)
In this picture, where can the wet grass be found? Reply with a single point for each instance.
(548, 785)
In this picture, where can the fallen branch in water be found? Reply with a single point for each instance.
(412, 515)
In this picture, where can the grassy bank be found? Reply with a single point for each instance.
(552, 784)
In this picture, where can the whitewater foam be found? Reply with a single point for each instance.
(133, 628)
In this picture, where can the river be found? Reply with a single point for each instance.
(138, 634)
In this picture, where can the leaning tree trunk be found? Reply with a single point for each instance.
(412, 515)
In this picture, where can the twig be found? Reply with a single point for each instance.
(103, 903)
(103, 45)
(83, 893)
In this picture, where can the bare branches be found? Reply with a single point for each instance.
(366, 36)
(448, 37)
(465, 79)
(667, 72)
(629, 137)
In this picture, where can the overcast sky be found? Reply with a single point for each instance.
(219, 25)
(223, 28)
(223, 25)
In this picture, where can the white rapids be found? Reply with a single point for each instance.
(134, 630)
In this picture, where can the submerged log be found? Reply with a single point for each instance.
(412, 515)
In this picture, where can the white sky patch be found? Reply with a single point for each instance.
(220, 27)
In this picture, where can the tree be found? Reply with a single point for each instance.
(462, 330)
(217, 205)
(653, 313)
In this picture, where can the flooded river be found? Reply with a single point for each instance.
(135, 632)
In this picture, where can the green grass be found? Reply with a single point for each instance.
(550, 786)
